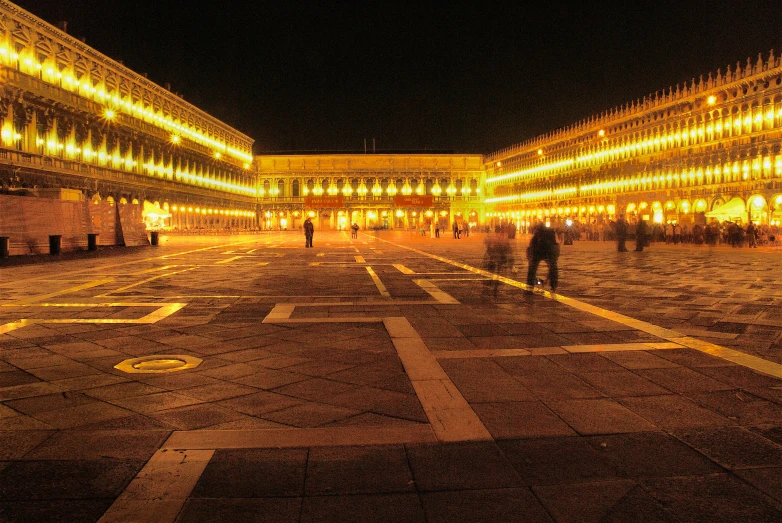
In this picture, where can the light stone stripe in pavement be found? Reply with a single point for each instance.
(734, 356)
(375, 278)
(438, 294)
(160, 490)
(541, 351)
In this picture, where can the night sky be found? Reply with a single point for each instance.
(301, 77)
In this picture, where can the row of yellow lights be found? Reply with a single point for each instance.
(137, 110)
(561, 210)
(699, 205)
(640, 145)
(207, 211)
(150, 167)
(623, 184)
(391, 190)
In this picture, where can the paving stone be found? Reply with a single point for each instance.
(651, 454)
(195, 417)
(309, 415)
(259, 403)
(527, 419)
(355, 470)
(380, 401)
(218, 391)
(506, 505)
(622, 383)
(740, 406)
(715, 498)
(673, 411)
(766, 480)
(639, 360)
(16, 377)
(733, 447)
(94, 445)
(155, 402)
(614, 501)
(461, 466)
(16, 444)
(599, 416)
(48, 480)
(253, 473)
(50, 402)
(558, 460)
(54, 510)
(482, 380)
(269, 379)
(382, 508)
(261, 510)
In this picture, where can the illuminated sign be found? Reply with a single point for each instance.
(413, 201)
(324, 201)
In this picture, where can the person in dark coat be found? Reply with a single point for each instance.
(309, 231)
(620, 228)
(640, 235)
(543, 247)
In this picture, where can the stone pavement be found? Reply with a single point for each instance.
(381, 379)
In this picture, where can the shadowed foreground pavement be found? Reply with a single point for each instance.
(382, 379)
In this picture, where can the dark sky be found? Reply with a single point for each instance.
(298, 76)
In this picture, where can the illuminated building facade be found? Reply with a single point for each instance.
(391, 191)
(73, 119)
(75, 124)
(707, 150)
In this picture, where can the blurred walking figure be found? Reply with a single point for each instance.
(309, 232)
(498, 257)
(354, 230)
(543, 247)
(621, 234)
(640, 235)
(752, 235)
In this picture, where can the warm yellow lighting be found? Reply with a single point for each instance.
(175, 138)
(108, 113)
(540, 152)
(499, 164)
(400, 214)
(758, 201)
(601, 132)
(218, 155)
(711, 100)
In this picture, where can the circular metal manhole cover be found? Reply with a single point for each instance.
(158, 363)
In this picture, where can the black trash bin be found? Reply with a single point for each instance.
(92, 242)
(154, 237)
(55, 244)
(4, 243)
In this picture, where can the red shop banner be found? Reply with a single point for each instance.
(320, 202)
(413, 201)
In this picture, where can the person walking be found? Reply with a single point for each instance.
(621, 234)
(543, 247)
(309, 231)
(640, 235)
(437, 230)
(455, 230)
(498, 257)
(752, 236)
(668, 233)
(354, 230)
